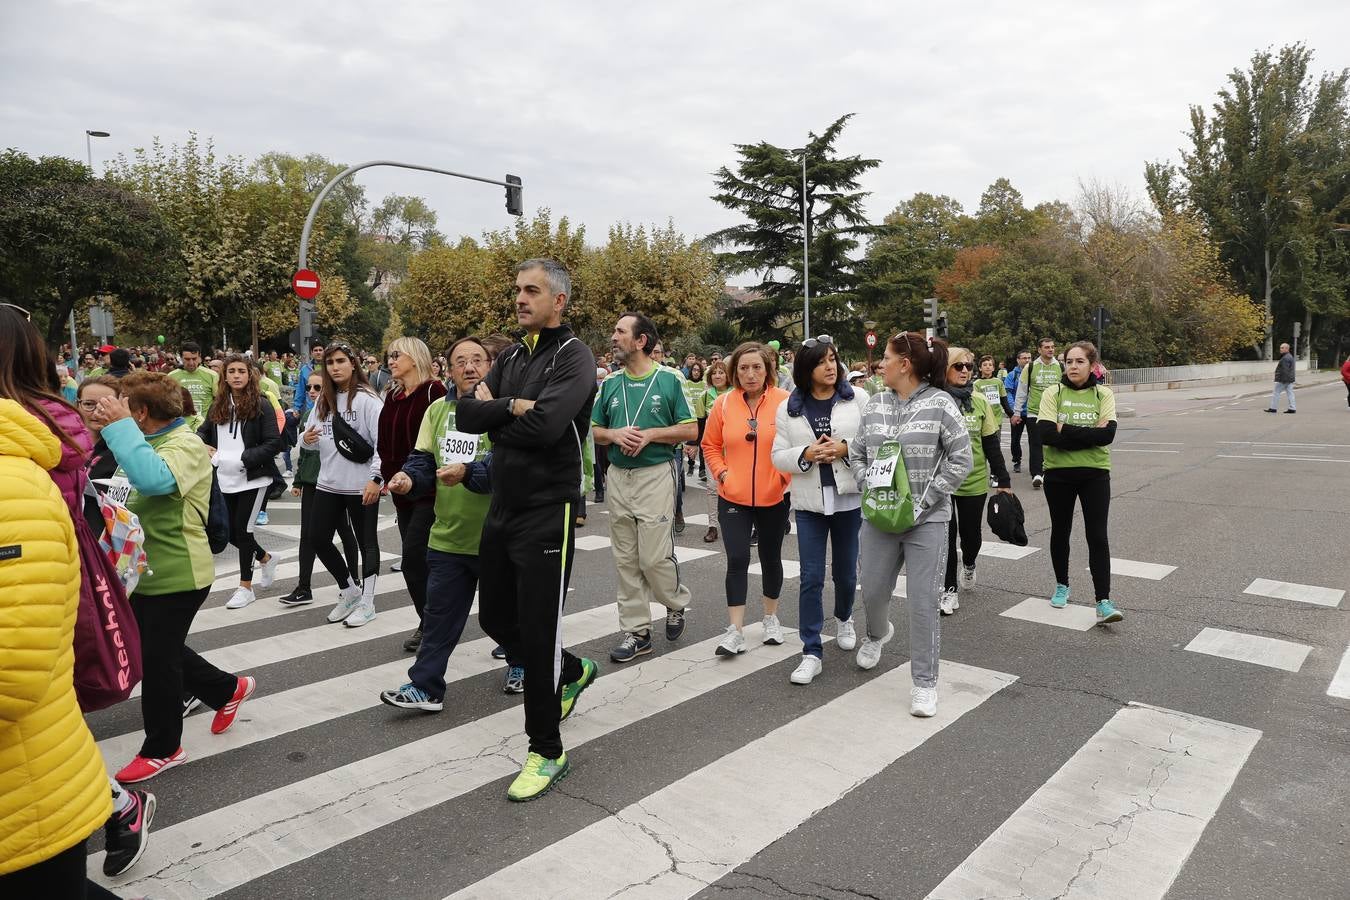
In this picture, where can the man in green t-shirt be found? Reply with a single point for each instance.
(640, 414)
(199, 381)
(447, 460)
(1044, 371)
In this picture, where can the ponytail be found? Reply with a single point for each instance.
(928, 356)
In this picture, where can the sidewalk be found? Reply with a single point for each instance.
(1145, 403)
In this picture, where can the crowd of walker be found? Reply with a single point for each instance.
(884, 473)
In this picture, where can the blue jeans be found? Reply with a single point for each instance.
(1282, 388)
(813, 530)
(451, 580)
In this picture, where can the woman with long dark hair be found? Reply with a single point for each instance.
(917, 414)
(240, 433)
(346, 486)
(813, 430)
(412, 389)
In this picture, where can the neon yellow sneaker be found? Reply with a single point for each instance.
(536, 777)
(572, 691)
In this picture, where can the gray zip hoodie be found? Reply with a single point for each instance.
(927, 425)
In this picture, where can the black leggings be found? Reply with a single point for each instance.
(60, 877)
(771, 524)
(344, 532)
(328, 509)
(414, 527)
(1091, 487)
(243, 508)
(968, 518)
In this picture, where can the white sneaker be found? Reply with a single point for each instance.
(923, 702)
(348, 599)
(242, 597)
(869, 654)
(364, 612)
(965, 577)
(267, 573)
(806, 670)
(1038, 481)
(949, 603)
(846, 636)
(733, 642)
(773, 632)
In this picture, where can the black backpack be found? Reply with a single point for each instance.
(217, 518)
(1006, 519)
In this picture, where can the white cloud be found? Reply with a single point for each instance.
(616, 111)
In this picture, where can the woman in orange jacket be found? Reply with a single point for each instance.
(738, 448)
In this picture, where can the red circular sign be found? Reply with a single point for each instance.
(871, 339)
(305, 283)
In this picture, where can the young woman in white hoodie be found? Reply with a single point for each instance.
(347, 487)
(813, 430)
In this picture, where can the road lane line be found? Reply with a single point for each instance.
(236, 844)
(1300, 593)
(677, 841)
(1250, 648)
(1340, 682)
(1119, 819)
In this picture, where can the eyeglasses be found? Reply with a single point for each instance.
(371, 361)
(88, 405)
(963, 366)
(394, 355)
(818, 339)
(23, 312)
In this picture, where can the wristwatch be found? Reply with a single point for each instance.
(511, 405)
(377, 480)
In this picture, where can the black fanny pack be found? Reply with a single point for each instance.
(350, 444)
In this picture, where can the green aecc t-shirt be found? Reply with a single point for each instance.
(656, 400)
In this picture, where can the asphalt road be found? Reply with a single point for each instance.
(1103, 761)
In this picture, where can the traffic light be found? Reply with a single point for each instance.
(515, 201)
(930, 311)
(940, 328)
(1101, 318)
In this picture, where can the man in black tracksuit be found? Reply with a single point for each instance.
(535, 405)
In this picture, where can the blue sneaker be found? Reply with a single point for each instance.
(262, 517)
(1107, 612)
(515, 680)
(410, 696)
(1061, 598)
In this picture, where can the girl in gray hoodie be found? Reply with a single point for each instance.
(915, 411)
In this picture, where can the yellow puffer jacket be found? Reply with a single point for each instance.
(53, 787)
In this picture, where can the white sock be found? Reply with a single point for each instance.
(368, 589)
(121, 796)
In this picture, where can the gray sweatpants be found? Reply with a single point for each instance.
(923, 552)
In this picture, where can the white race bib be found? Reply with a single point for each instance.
(458, 447)
(119, 489)
(881, 473)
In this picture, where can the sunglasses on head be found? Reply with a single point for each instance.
(818, 339)
(21, 311)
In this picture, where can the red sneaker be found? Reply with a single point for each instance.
(142, 767)
(225, 715)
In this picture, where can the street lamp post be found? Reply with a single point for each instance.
(806, 267)
(89, 135)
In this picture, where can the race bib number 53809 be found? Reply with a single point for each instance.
(458, 447)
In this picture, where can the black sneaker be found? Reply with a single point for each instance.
(679, 524)
(599, 496)
(631, 647)
(1290, 412)
(414, 641)
(298, 597)
(674, 624)
(128, 833)
(499, 652)
(1017, 466)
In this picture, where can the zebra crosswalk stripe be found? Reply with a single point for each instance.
(677, 841)
(231, 846)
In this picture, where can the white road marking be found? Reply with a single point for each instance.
(791, 569)
(1340, 682)
(1119, 819)
(1250, 648)
(1300, 593)
(213, 617)
(689, 554)
(1000, 550)
(1132, 569)
(1296, 458)
(592, 542)
(236, 844)
(268, 716)
(1038, 609)
(675, 842)
(1139, 450)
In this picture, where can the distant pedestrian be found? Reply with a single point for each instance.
(1016, 414)
(1044, 371)
(1345, 376)
(1284, 382)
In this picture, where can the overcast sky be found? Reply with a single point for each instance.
(621, 111)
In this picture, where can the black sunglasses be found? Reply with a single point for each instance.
(313, 388)
(963, 366)
(818, 339)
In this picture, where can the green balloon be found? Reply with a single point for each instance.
(160, 338)
(774, 345)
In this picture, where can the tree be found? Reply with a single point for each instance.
(766, 189)
(1251, 173)
(66, 236)
(1001, 216)
(914, 243)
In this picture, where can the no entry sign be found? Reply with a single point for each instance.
(305, 283)
(871, 339)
